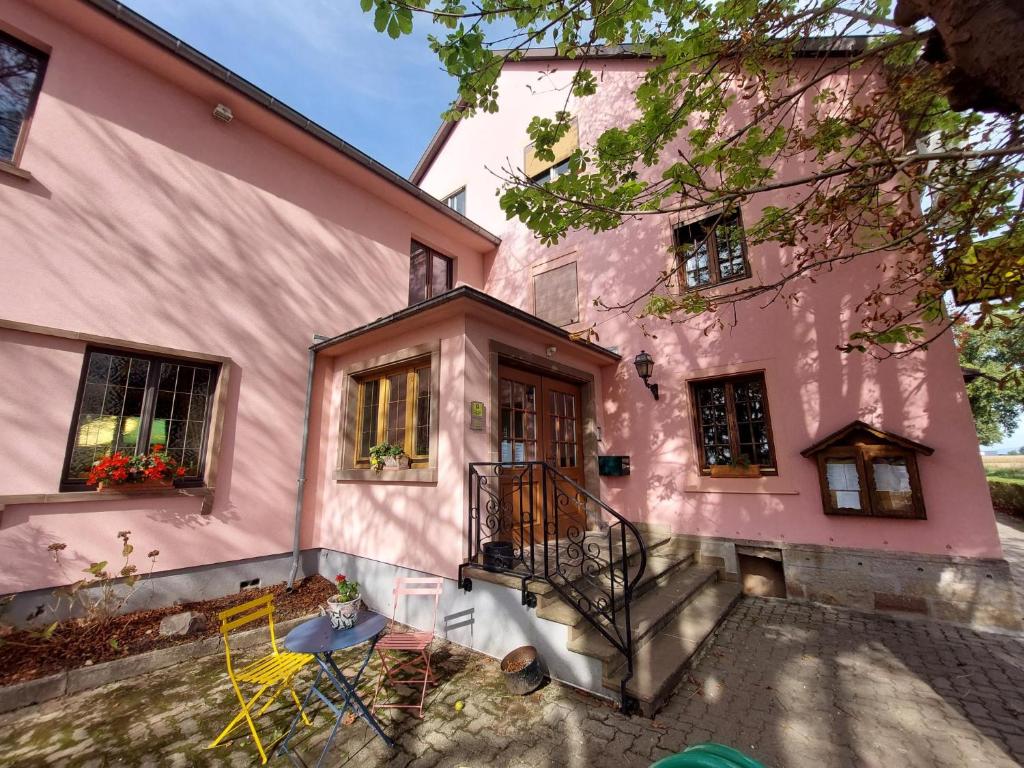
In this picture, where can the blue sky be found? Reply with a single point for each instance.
(323, 58)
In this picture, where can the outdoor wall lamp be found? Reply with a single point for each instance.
(645, 367)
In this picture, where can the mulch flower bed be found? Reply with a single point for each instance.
(25, 655)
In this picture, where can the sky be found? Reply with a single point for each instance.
(324, 59)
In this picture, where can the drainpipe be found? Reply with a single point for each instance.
(301, 481)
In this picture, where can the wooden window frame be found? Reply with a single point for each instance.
(411, 369)
(729, 381)
(37, 87)
(714, 272)
(428, 291)
(865, 454)
(68, 484)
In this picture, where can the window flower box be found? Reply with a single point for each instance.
(396, 462)
(736, 470)
(143, 486)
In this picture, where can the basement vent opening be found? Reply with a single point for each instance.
(761, 571)
(248, 584)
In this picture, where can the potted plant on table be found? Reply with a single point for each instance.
(343, 608)
(388, 456)
(123, 472)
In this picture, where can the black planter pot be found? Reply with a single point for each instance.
(523, 670)
(498, 554)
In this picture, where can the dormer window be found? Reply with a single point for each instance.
(864, 471)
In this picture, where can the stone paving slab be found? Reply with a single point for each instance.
(792, 684)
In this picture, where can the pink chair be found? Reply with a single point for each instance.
(395, 646)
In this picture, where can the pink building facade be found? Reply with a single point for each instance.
(224, 283)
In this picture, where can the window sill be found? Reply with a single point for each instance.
(86, 496)
(416, 475)
(14, 170)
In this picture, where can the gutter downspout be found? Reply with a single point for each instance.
(301, 481)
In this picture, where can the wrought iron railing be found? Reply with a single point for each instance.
(530, 521)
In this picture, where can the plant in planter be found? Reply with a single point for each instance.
(123, 471)
(741, 467)
(343, 608)
(388, 455)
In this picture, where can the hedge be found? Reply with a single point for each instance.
(1007, 496)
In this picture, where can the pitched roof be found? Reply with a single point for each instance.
(810, 47)
(156, 34)
(465, 292)
(859, 426)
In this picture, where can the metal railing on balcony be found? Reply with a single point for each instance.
(530, 521)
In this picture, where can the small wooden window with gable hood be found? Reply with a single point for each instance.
(865, 471)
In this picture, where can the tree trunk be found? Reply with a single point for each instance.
(983, 43)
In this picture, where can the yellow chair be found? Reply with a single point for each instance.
(273, 672)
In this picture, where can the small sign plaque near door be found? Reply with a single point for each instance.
(477, 416)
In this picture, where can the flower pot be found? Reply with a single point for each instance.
(735, 470)
(499, 554)
(140, 487)
(523, 670)
(343, 613)
(396, 462)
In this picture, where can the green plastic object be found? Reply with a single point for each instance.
(708, 756)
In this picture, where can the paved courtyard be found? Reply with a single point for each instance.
(794, 685)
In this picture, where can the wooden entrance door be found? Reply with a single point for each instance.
(541, 420)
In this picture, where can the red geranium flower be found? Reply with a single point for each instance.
(339, 578)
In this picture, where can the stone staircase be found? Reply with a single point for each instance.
(676, 605)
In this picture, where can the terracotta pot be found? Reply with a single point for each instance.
(343, 613)
(730, 470)
(140, 487)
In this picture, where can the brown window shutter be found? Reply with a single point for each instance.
(556, 295)
(565, 146)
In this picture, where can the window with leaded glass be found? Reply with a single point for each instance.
(711, 251)
(21, 75)
(732, 424)
(430, 273)
(135, 403)
(393, 406)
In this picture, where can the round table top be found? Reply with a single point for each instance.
(316, 635)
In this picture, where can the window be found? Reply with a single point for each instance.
(732, 424)
(430, 274)
(457, 201)
(864, 471)
(711, 251)
(542, 171)
(394, 407)
(551, 173)
(21, 75)
(131, 402)
(556, 295)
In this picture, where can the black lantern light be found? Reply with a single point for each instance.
(645, 367)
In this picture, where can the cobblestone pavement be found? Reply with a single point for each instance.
(792, 684)
(1011, 532)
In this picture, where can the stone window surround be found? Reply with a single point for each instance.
(217, 415)
(13, 168)
(345, 471)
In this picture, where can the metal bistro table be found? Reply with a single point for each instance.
(316, 637)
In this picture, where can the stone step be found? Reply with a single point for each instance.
(554, 608)
(660, 664)
(647, 614)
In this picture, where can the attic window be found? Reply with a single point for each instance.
(864, 471)
(542, 171)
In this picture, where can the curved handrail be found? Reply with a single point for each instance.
(590, 569)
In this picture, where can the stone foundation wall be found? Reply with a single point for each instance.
(969, 591)
(974, 592)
